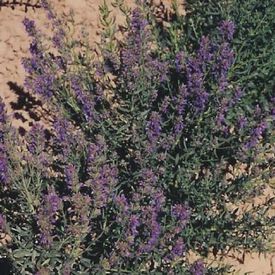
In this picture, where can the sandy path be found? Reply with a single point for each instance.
(14, 45)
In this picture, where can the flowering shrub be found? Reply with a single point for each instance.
(132, 184)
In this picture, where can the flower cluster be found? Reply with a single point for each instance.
(198, 268)
(2, 223)
(41, 76)
(3, 152)
(46, 217)
(84, 99)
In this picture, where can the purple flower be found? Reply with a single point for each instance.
(181, 100)
(83, 98)
(46, 238)
(36, 139)
(2, 223)
(242, 122)
(151, 214)
(52, 203)
(3, 115)
(71, 177)
(155, 228)
(178, 249)
(134, 224)
(198, 268)
(41, 79)
(122, 203)
(153, 127)
(45, 4)
(43, 84)
(165, 104)
(224, 61)
(80, 214)
(132, 54)
(148, 178)
(34, 49)
(196, 71)
(195, 84)
(58, 38)
(61, 62)
(59, 32)
(159, 70)
(181, 213)
(136, 59)
(61, 127)
(29, 26)
(205, 54)
(95, 150)
(255, 136)
(46, 217)
(258, 131)
(124, 209)
(220, 120)
(227, 29)
(158, 199)
(64, 138)
(237, 96)
(103, 185)
(4, 177)
(30, 65)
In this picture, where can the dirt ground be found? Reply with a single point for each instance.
(14, 45)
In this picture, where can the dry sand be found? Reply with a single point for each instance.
(25, 109)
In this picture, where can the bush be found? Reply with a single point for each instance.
(133, 174)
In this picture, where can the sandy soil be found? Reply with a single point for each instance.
(25, 109)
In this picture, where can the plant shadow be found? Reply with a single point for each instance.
(26, 4)
(27, 103)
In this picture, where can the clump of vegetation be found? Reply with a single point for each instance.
(133, 173)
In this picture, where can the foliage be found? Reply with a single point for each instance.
(133, 175)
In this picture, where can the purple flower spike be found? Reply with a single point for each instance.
(227, 29)
(53, 203)
(154, 127)
(2, 223)
(205, 51)
(178, 249)
(36, 139)
(4, 178)
(198, 268)
(138, 23)
(122, 203)
(29, 26)
(46, 217)
(3, 151)
(195, 84)
(181, 213)
(154, 228)
(71, 177)
(83, 98)
(242, 122)
(256, 135)
(45, 4)
(3, 116)
(134, 223)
